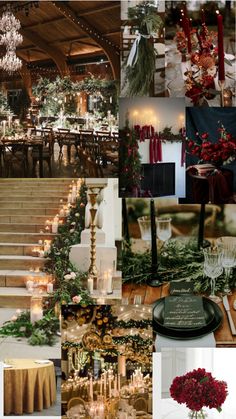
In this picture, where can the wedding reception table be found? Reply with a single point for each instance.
(149, 295)
(29, 386)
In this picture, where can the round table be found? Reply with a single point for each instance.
(28, 386)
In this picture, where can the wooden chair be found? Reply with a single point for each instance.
(140, 404)
(15, 154)
(47, 154)
(75, 401)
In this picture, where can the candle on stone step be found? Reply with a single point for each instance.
(90, 285)
(69, 199)
(49, 287)
(29, 284)
(41, 253)
(55, 225)
(36, 309)
(40, 242)
(221, 58)
(62, 212)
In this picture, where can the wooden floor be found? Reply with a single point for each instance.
(62, 167)
(149, 295)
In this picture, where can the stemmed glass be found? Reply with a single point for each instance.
(228, 258)
(213, 269)
(163, 229)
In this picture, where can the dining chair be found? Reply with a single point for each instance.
(15, 154)
(140, 404)
(47, 153)
(75, 401)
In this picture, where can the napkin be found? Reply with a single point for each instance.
(207, 341)
(42, 361)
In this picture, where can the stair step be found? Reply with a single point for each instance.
(19, 249)
(15, 297)
(31, 204)
(21, 219)
(37, 198)
(29, 211)
(21, 228)
(21, 262)
(34, 181)
(18, 278)
(22, 237)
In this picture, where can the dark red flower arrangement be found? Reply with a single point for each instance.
(198, 389)
(223, 151)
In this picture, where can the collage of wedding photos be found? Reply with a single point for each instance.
(118, 209)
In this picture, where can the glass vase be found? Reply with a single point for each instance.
(200, 414)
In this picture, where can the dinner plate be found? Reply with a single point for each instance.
(213, 316)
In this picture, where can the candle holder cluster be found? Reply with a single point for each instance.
(203, 60)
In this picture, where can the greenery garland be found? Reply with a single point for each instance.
(130, 166)
(42, 332)
(136, 341)
(167, 135)
(4, 107)
(178, 261)
(54, 92)
(69, 279)
(132, 324)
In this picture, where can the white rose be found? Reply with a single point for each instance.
(73, 275)
(67, 276)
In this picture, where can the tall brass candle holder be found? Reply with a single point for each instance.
(93, 194)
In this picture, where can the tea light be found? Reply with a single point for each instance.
(62, 212)
(36, 309)
(49, 287)
(47, 246)
(40, 242)
(41, 253)
(29, 284)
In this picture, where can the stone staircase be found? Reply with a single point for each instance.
(25, 205)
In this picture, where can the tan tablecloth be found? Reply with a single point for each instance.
(28, 386)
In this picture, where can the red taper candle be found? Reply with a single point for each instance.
(221, 57)
(188, 36)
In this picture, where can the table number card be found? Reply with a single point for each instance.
(181, 287)
(185, 311)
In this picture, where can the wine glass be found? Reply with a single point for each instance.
(227, 246)
(163, 229)
(213, 269)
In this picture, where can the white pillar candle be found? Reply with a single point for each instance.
(29, 285)
(69, 199)
(49, 287)
(90, 285)
(91, 388)
(4, 128)
(62, 212)
(41, 253)
(118, 382)
(55, 225)
(109, 282)
(36, 309)
(109, 382)
(105, 385)
(101, 386)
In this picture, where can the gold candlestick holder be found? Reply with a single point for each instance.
(93, 272)
(222, 85)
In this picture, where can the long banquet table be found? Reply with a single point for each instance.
(28, 386)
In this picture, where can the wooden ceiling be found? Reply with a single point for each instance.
(64, 30)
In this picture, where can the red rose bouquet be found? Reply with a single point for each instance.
(223, 151)
(198, 389)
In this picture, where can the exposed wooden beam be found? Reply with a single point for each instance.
(111, 50)
(86, 13)
(57, 56)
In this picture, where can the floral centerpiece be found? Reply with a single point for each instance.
(198, 389)
(223, 151)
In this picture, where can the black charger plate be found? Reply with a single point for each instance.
(213, 316)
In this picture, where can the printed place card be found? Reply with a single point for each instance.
(185, 311)
(181, 287)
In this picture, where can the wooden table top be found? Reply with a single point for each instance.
(149, 295)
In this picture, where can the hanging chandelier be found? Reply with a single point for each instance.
(11, 38)
(10, 62)
(8, 22)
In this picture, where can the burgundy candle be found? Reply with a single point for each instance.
(188, 36)
(220, 48)
(203, 17)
